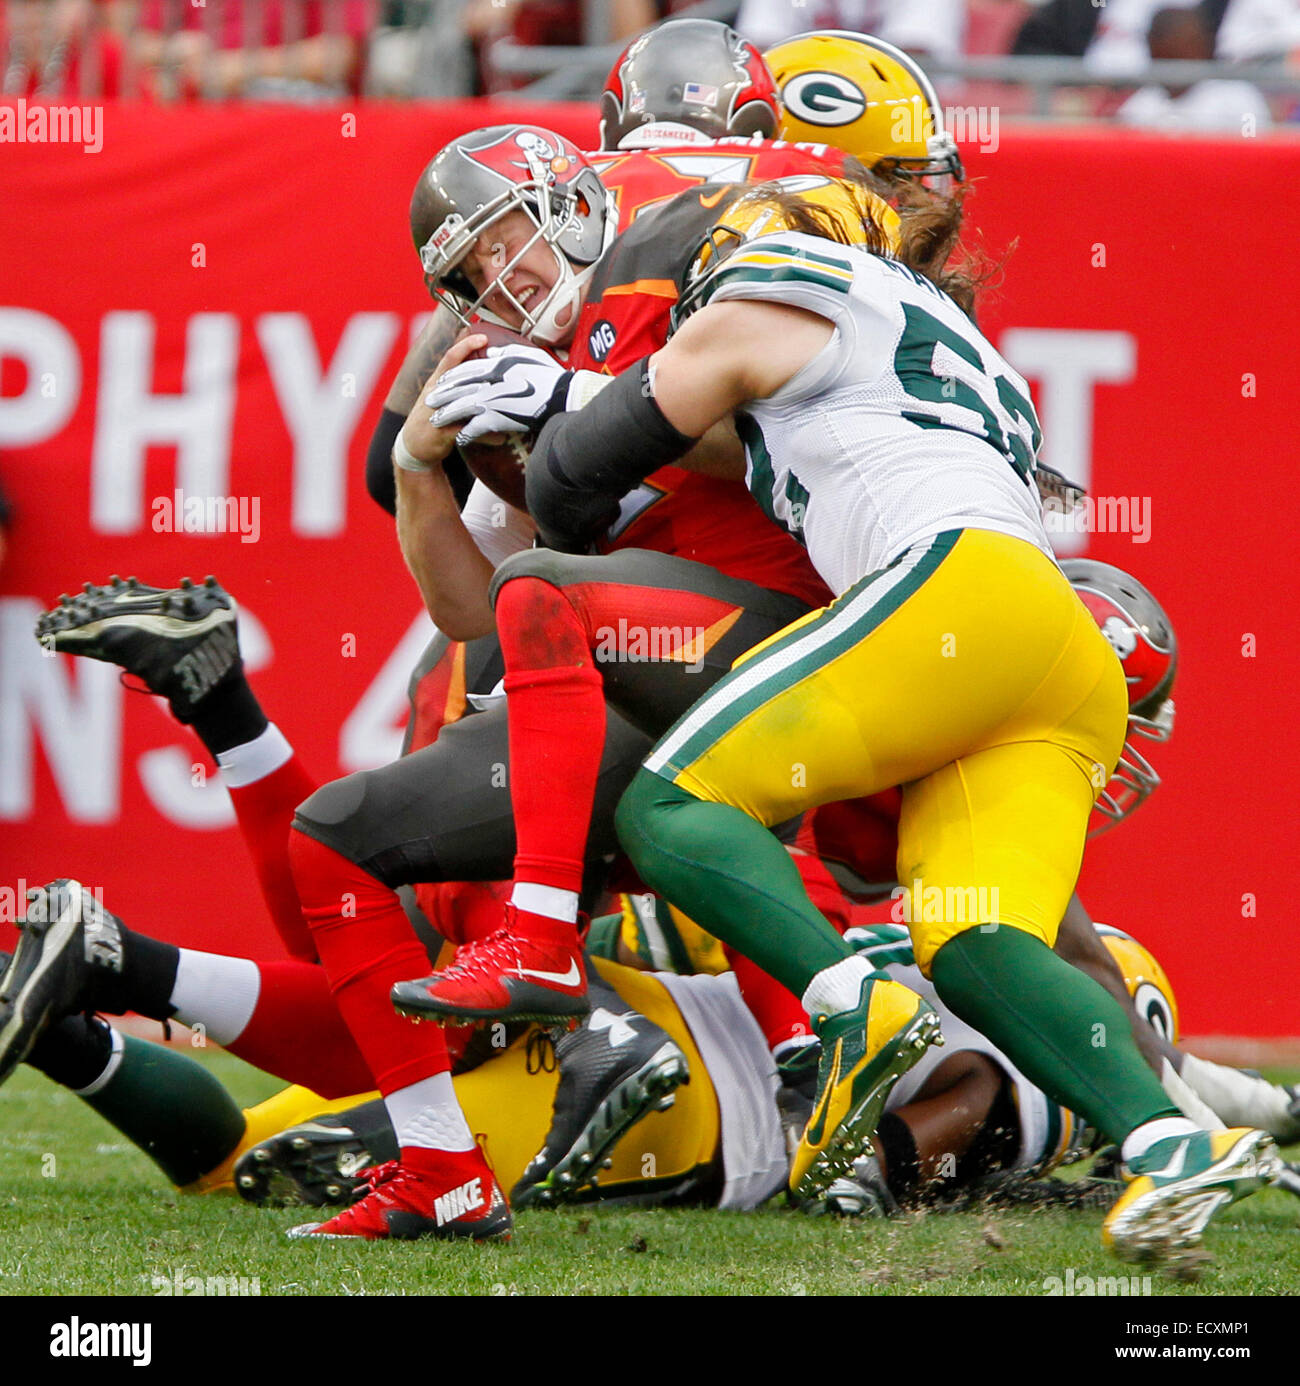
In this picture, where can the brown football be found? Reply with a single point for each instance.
(498, 459)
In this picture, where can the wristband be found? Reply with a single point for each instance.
(583, 387)
(405, 459)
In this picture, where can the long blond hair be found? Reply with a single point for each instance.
(929, 234)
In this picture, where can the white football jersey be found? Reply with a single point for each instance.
(908, 423)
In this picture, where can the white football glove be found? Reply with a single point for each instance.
(513, 389)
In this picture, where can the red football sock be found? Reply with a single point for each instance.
(824, 890)
(542, 929)
(557, 730)
(463, 911)
(265, 813)
(366, 944)
(779, 1013)
(297, 1034)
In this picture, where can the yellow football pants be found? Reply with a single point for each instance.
(968, 672)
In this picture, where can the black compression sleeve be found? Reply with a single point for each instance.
(585, 461)
(380, 481)
(616, 440)
(379, 460)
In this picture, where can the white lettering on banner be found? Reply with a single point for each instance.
(1067, 362)
(49, 352)
(75, 710)
(167, 771)
(131, 418)
(321, 415)
(372, 735)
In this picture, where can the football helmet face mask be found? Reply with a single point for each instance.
(694, 73)
(1152, 994)
(756, 214)
(867, 98)
(1141, 634)
(479, 178)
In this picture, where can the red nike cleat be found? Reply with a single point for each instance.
(429, 1193)
(536, 974)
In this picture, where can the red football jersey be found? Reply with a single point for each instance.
(626, 316)
(644, 178)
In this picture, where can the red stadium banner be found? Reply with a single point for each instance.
(211, 302)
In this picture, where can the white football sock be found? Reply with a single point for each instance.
(255, 759)
(1240, 1099)
(837, 988)
(427, 1114)
(1141, 1138)
(1183, 1096)
(215, 992)
(791, 1045)
(550, 901)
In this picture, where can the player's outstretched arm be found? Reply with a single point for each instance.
(729, 353)
(655, 412)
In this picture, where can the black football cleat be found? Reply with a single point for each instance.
(180, 642)
(319, 1164)
(614, 1068)
(66, 937)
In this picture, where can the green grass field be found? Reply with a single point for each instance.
(98, 1218)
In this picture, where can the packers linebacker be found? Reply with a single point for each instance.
(888, 435)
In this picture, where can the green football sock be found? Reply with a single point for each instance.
(171, 1107)
(1062, 1030)
(730, 875)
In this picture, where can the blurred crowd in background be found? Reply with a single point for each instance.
(1062, 59)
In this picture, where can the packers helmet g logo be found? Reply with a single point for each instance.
(1153, 1006)
(823, 98)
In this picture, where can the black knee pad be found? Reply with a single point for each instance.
(332, 804)
(556, 568)
(342, 816)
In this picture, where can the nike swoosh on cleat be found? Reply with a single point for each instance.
(816, 1127)
(563, 979)
(1172, 1170)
